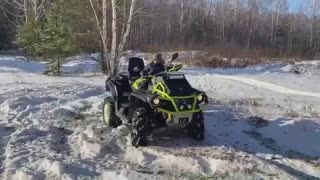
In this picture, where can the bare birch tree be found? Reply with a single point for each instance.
(27, 8)
(110, 58)
(313, 28)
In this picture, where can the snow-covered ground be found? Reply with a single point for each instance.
(262, 123)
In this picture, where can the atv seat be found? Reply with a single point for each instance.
(136, 66)
(123, 88)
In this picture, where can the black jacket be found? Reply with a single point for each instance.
(152, 69)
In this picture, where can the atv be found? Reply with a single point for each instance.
(146, 103)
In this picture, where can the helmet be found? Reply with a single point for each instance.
(158, 59)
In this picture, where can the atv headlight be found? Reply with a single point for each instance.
(200, 98)
(156, 101)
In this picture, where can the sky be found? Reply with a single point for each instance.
(294, 5)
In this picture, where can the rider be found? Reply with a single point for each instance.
(156, 66)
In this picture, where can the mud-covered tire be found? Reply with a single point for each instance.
(109, 116)
(140, 130)
(195, 128)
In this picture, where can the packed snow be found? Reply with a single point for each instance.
(262, 123)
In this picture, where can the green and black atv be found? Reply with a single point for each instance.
(165, 98)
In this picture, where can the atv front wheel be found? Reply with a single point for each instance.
(139, 133)
(109, 116)
(195, 128)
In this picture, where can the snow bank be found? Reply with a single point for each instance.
(293, 69)
(71, 109)
(314, 62)
(202, 166)
(78, 108)
(95, 142)
(52, 168)
(23, 106)
(113, 176)
(169, 162)
(23, 175)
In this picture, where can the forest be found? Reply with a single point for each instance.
(229, 28)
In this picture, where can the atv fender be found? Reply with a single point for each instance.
(107, 83)
(111, 87)
(139, 95)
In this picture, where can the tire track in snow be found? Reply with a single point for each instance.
(5, 133)
(268, 86)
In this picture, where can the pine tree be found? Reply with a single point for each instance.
(29, 37)
(50, 38)
(56, 37)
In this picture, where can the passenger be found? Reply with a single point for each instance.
(156, 66)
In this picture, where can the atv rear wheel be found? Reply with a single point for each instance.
(140, 131)
(109, 116)
(195, 128)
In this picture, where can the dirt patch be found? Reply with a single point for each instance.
(258, 122)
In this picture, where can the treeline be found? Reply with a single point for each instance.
(261, 28)
(231, 27)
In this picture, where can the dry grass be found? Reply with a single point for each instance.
(222, 62)
(236, 58)
(230, 57)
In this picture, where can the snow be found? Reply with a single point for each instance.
(82, 64)
(262, 123)
(113, 176)
(268, 86)
(304, 131)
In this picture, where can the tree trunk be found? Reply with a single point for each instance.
(278, 18)
(312, 29)
(58, 66)
(25, 10)
(104, 67)
(223, 21)
(113, 57)
(249, 38)
(181, 19)
(35, 10)
(124, 17)
(235, 17)
(124, 38)
(104, 31)
(104, 21)
(272, 23)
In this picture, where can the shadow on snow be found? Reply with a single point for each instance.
(294, 139)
